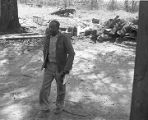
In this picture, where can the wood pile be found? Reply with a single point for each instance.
(114, 30)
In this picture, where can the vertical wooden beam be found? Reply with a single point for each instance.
(139, 105)
(0, 8)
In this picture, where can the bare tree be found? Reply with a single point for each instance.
(126, 5)
(134, 5)
(9, 16)
(139, 105)
(112, 4)
(65, 3)
(94, 4)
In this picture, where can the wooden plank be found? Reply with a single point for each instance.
(17, 37)
(32, 35)
(22, 34)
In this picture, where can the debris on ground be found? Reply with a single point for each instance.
(64, 12)
(120, 30)
(114, 29)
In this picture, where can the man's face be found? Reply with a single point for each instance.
(53, 29)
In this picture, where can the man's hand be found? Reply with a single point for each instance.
(42, 68)
(63, 73)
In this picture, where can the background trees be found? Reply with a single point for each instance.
(128, 5)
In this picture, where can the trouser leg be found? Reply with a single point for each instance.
(61, 90)
(45, 89)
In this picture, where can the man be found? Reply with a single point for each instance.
(58, 60)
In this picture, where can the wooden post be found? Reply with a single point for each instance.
(139, 104)
(0, 8)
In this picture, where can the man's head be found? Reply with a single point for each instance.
(54, 27)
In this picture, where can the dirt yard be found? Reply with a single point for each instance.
(99, 87)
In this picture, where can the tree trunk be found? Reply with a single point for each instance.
(9, 16)
(139, 104)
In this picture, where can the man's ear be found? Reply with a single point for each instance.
(47, 33)
(47, 30)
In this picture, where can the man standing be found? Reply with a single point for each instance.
(58, 60)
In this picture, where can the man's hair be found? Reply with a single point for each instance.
(57, 23)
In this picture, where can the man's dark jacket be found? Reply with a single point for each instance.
(64, 52)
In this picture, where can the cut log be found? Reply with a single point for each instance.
(112, 22)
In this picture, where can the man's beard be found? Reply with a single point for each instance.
(53, 33)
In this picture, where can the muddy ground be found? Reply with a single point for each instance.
(99, 87)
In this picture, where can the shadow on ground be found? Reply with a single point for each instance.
(99, 87)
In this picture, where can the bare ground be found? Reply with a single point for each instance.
(99, 87)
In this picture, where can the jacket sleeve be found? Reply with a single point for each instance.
(71, 54)
(45, 45)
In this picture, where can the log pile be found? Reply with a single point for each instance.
(114, 30)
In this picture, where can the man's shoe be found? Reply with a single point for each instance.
(46, 111)
(43, 113)
(58, 110)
